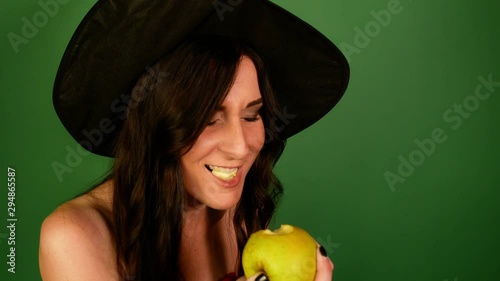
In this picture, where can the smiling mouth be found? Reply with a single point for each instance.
(222, 173)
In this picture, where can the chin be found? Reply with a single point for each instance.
(225, 204)
(222, 206)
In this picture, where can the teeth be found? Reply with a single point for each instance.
(223, 173)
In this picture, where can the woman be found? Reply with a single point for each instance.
(192, 176)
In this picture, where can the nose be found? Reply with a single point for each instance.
(234, 142)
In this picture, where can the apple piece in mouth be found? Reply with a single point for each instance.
(288, 253)
(222, 173)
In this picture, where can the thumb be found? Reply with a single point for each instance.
(324, 266)
(257, 277)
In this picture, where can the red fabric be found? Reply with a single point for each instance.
(230, 277)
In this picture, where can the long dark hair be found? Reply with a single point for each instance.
(177, 97)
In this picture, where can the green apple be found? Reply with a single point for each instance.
(287, 254)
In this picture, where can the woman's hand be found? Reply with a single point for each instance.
(324, 268)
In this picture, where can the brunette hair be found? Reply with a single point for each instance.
(177, 98)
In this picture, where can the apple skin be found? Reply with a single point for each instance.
(287, 254)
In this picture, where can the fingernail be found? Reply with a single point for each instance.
(261, 277)
(323, 251)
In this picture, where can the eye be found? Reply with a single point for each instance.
(211, 123)
(254, 115)
(252, 119)
(215, 119)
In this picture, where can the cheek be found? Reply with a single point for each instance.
(203, 145)
(191, 161)
(256, 137)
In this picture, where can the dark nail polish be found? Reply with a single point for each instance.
(261, 277)
(323, 251)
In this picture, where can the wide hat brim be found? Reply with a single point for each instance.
(118, 39)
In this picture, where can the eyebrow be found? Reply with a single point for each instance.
(255, 102)
(250, 104)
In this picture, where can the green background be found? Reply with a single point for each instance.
(441, 223)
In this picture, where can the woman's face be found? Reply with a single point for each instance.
(214, 169)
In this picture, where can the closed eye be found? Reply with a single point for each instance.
(211, 123)
(255, 115)
(252, 119)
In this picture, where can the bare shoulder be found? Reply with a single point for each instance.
(76, 242)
